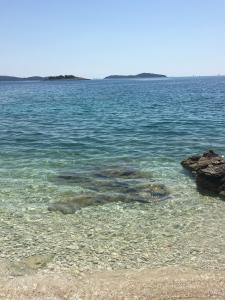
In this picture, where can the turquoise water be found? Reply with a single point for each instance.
(90, 173)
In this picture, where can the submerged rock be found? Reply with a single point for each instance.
(63, 207)
(32, 263)
(143, 193)
(209, 170)
(154, 191)
(123, 173)
(113, 173)
(74, 178)
(109, 185)
(70, 206)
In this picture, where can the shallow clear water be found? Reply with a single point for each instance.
(112, 148)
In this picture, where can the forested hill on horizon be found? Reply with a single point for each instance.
(141, 75)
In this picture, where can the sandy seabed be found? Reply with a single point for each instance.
(159, 283)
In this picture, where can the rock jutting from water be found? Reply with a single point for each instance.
(209, 171)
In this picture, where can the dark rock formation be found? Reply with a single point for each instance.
(209, 170)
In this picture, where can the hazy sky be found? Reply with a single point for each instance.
(94, 38)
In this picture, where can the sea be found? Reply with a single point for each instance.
(90, 174)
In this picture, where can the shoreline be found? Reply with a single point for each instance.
(156, 283)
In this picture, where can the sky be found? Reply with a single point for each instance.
(96, 38)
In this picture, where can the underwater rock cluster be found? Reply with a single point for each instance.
(109, 185)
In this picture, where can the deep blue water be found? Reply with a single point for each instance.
(81, 129)
(130, 118)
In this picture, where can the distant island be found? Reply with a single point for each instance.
(142, 75)
(60, 77)
(66, 77)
